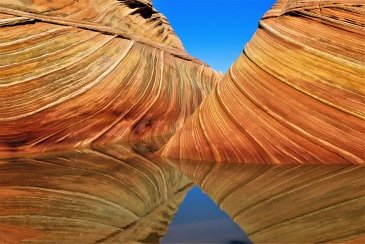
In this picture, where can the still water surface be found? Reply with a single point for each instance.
(200, 220)
(112, 194)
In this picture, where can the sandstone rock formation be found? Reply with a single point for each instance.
(106, 195)
(287, 203)
(131, 19)
(296, 94)
(77, 73)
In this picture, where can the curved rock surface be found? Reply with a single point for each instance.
(106, 195)
(129, 18)
(77, 73)
(296, 94)
(287, 203)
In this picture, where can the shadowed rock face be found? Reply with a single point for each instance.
(107, 195)
(286, 203)
(76, 73)
(296, 94)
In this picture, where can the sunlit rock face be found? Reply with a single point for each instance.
(129, 17)
(287, 203)
(295, 95)
(81, 73)
(106, 195)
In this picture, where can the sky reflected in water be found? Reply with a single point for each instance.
(199, 219)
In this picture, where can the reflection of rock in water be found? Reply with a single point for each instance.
(288, 203)
(108, 194)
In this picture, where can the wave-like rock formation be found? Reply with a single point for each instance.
(106, 195)
(296, 94)
(79, 72)
(128, 18)
(287, 203)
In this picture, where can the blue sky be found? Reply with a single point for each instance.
(215, 31)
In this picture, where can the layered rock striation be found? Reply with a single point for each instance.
(136, 19)
(106, 195)
(287, 203)
(80, 73)
(295, 95)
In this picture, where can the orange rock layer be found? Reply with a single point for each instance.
(132, 18)
(77, 73)
(106, 195)
(287, 203)
(296, 94)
